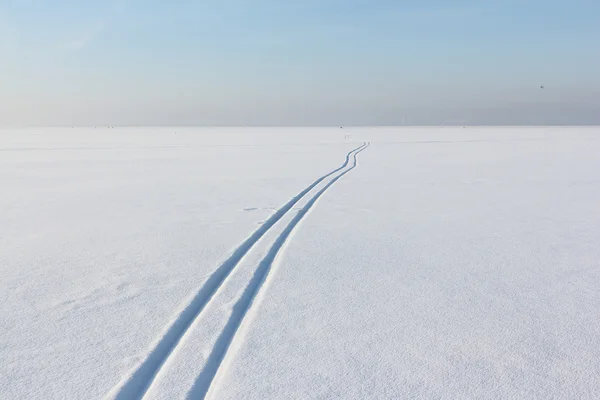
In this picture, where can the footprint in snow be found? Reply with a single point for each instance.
(257, 208)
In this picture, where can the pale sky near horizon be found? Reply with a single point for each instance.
(299, 62)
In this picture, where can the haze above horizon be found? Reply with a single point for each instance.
(326, 62)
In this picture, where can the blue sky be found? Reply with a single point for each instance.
(309, 62)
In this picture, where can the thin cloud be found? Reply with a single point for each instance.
(8, 37)
(83, 41)
(78, 43)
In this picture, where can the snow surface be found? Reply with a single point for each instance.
(299, 263)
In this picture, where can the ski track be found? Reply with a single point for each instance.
(243, 307)
(136, 384)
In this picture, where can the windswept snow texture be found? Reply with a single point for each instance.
(286, 263)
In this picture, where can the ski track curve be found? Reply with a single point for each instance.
(136, 384)
(204, 383)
